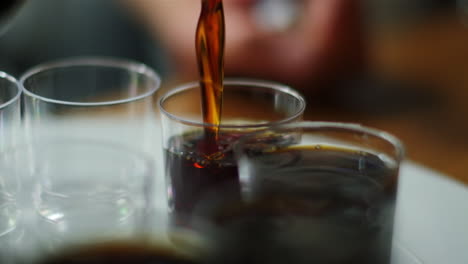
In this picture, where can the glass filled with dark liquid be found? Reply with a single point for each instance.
(312, 192)
(199, 160)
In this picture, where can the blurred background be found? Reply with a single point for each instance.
(396, 65)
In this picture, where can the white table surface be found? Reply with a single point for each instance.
(432, 216)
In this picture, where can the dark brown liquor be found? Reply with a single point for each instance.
(119, 253)
(200, 164)
(193, 175)
(310, 205)
(210, 38)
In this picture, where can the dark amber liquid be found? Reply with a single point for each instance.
(119, 253)
(210, 39)
(196, 163)
(311, 205)
(193, 174)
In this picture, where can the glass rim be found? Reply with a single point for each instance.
(324, 125)
(236, 81)
(111, 62)
(17, 96)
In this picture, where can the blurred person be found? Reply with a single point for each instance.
(323, 42)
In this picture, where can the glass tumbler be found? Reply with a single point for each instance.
(87, 201)
(313, 192)
(105, 99)
(10, 134)
(76, 193)
(196, 166)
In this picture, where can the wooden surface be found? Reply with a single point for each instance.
(434, 54)
(428, 108)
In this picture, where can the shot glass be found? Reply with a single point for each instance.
(105, 99)
(313, 192)
(10, 135)
(195, 165)
(85, 201)
(77, 193)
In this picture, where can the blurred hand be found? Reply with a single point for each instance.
(323, 42)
